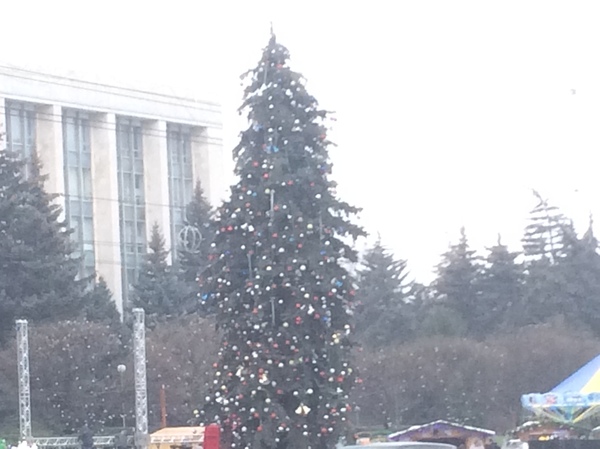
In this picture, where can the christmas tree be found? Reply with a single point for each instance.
(283, 299)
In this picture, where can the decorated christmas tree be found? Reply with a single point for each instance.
(283, 298)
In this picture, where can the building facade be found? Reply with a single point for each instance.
(119, 159)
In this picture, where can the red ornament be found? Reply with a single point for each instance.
(259, 429)
(255, 163)
(266, 176)
(298, 320)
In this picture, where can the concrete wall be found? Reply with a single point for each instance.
(106, 202)
(208, 162)
(156, 178)
(30, 86)
(49, 148)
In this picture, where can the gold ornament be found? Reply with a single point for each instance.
(303, 410)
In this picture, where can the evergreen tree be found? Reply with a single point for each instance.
(579, 275)
(438, 319)
(38, 271)
(98, 304)
(195, 246)
(283, 297)
(384, 314)
(501, 287)
(549, 238)
(543, 235)
(456, 282)
(158, 290)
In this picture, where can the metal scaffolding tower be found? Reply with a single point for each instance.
(24, 388)
(141, 438)
(141, 390)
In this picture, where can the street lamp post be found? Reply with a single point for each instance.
(121, 370)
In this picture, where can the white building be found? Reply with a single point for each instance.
(120, 160)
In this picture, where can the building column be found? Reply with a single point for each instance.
(49, 148)
(2, 123)
(207, 159)
(156, 179)
(105, 186)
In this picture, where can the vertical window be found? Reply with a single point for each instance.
(132, 220)
(78, 186)
(181, 179)
(20, 130)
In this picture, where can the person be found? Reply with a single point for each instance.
(87, 438)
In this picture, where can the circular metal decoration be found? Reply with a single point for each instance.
(190, 238)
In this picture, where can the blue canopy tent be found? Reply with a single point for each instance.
(573, 400)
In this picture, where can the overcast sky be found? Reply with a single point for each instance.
(448, 112)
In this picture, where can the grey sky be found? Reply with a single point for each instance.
(448, 112)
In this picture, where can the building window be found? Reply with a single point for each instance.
(181, 178)
(78, 186)
(132, 219)
(20, 130)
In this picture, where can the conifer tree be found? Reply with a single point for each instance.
(578, 273)
(383, 316)
(38, 270)
(158, 290)
(98, 304)
(456, 280)
(543, 234)
(501, 287)
(283, 298)
(549, 238)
